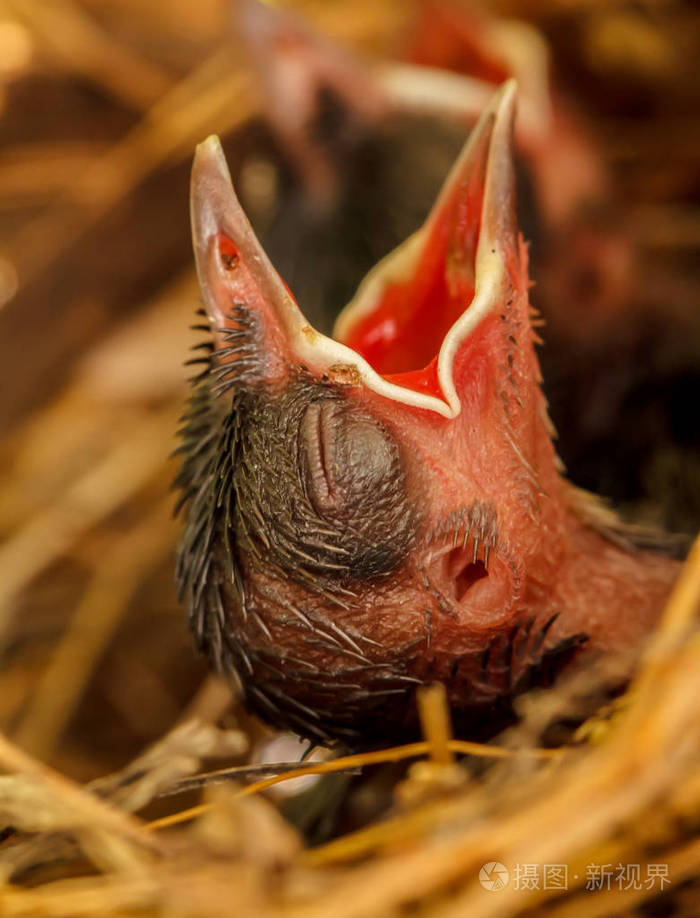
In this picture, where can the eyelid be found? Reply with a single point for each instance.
(318, 435)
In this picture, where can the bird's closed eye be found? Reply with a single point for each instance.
(344, 454)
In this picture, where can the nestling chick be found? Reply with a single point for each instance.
(367, 514)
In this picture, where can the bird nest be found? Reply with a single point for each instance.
(101, 105)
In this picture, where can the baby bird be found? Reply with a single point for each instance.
(384, 509)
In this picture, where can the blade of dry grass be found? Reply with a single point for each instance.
(29, 173)
(212, 98)
(683, 864)
(92, 626)
(65, 31)
(98, 492)
(434, 715)
(360, 760)
(89, 810)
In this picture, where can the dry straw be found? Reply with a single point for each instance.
(86, 543)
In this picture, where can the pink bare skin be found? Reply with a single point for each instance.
(293, 65)
(372, 513)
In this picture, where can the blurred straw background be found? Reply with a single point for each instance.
(101, 105)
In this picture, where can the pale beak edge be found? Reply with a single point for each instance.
(216, 210)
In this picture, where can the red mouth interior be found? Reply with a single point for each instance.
(402, 336)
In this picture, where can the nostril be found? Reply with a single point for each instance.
(227, 252)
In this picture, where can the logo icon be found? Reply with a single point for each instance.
(494, 876)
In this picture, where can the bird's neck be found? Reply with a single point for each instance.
(615, 595)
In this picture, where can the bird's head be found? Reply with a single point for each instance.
(377, 510)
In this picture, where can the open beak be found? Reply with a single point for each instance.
(406, 333)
